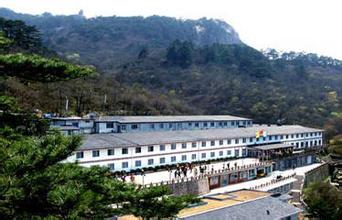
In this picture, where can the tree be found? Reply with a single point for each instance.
(324, 201)
(37, 182)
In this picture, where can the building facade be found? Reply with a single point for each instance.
(136, 150)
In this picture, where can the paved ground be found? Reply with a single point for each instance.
(157, 177)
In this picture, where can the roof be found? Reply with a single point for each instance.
(113, 140)
(65, 128)
(242, 205)
(168, 118)
(273, 146)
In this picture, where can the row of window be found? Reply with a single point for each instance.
(173, 159)
(180, 125)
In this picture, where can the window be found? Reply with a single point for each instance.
(152, 126)
(124, 164)
(204, 143)
(287, 136)
(237, 153)
(109, 125)
(189, 124)
(306, 134)
(193, 156)
(203, 155)
(161, 125)
(150, 148)
(212, 143)
(138, 150)
(236, 141)
(173, 159)
(150, 161)
(319, 142)
(183, 157)
(170, 125)
(173, 146)
(281, 137)
(205, 124)
(111, 166)
(297, 144)
(244, 152)
(270, 137)
(138, 163)
(225, 123)
(243, 140)
(162, 147)
(212, 124)
(220, 123)
(184, 145)
(229, 141)
(229, 152)
(96, 153)
(276, 137)
(196, 125)
(212, 154)
(302, 144)
(110, 152)
(123, 127)
(251, 139)
(79, 155)
(233, 123)
(221, 153)
(301, 135)
(124, 150)
(193, 144)
(162, 160)
(134, 126)
(221, 142)
(292, 135)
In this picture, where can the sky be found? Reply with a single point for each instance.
(286, 25)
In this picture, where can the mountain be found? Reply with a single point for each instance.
(160, 65)
(112, 40)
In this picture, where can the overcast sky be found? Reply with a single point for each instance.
(299, 25)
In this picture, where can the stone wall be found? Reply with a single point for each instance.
(196, 186)
(316, 175)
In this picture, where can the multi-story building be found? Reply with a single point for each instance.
(133, 150)
(127, 124)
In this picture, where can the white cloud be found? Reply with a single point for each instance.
(300, 25)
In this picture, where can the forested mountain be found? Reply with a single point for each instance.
(160, 65)
(107, 41)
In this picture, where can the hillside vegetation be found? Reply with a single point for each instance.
(160, 65)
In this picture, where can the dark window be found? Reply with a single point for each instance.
(162, 147)
(221, 153)
(236, 141)
(243, 140)
(124, 164)
(196, 124)
(79, 155)
(221, 142)
(229, 152)
(173, 159)
(205, 124)
(138, 163)
(189, 124)
(110, 152)
(233, 123)
(161, 125)
(251, 139)
(150, 162)
(124, 150)
(193, 144)
(96, 153)
(204, 143)
(162, 160)
(212, 154)
(193, 156)
(138, 150)
(150, 148)
(212, 143)
(244, 152)
(170, 125)
(237, 153)
(229, 141)
(134, 126)
(204, 155)
(109, 125)
(183, 157)
(111, 166)
(225, 123)
(212, 124)
(173, 146)
(152, 126)
(183, 145)
(123, 127)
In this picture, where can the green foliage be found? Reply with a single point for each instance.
(324, 201)
(180, 53)
(8, 104)
(37, 68)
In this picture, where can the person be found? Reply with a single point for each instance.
(212, 168)
(132, 178)
(176, 173)
(228, 166)
(195, 171)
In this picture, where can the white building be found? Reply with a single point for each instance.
(133, 150)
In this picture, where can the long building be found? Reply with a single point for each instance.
(133, 150)
(127, 124)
